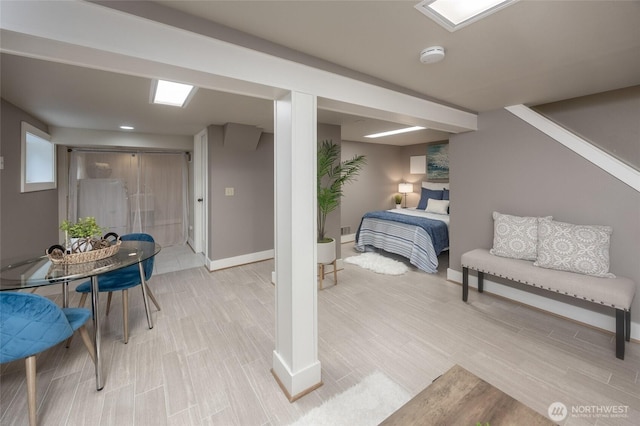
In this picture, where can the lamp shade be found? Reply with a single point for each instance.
(405, 188)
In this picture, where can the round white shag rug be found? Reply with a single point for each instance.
(377, 263)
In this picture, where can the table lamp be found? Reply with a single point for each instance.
(405, 188)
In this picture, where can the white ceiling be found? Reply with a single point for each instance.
(532, 52)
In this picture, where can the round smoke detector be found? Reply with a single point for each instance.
(432, 55)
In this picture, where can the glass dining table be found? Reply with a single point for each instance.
(20, 274)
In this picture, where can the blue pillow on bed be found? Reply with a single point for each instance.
(426, 194)
(445, 194)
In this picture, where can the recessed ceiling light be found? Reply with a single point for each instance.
(171, 93)
(125, 127)
(395, 132)
(455, 14)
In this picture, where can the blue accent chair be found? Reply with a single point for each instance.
(122, 280)
(30, 324)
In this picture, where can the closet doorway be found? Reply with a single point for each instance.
(129, 191)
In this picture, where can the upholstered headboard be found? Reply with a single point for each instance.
(435, 185)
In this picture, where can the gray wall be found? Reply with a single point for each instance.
(243, 223)
(29, 221)
(376, 184)
(610, 120)
(416, 179)
(387, 166)
(510, 167)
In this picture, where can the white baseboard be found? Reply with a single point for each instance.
(299, 383)
(214, 265)
(575, 313)
(348, 238)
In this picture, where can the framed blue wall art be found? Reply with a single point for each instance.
(438, 162)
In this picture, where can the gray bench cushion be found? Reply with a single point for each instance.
(616, 292)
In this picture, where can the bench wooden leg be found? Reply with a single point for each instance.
(620, 333)
(627, 321)
(465, 284)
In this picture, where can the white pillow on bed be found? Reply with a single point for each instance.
(437, 206)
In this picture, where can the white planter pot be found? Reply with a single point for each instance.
(398, 206)
(327, 252)
(79, 245)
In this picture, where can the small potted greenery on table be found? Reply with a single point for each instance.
(80, 235)
(398, 199)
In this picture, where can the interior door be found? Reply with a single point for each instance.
(200, 185)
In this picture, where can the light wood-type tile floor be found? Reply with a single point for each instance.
(207, 360)
(177, 258)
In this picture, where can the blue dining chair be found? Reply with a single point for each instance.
(122, 280)
(30, 324)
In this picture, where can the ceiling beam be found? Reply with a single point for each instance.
(95, 36)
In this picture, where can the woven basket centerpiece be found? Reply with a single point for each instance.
(101, 249)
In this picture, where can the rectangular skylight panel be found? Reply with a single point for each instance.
(458, 11)
(171, 93)
(455, 14)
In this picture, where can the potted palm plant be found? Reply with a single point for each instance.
(332, 175)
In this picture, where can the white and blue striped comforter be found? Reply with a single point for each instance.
(407, 232)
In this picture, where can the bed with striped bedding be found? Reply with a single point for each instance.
(415, 234)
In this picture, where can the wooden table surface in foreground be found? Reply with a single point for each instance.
(460, 398)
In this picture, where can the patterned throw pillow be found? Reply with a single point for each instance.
(574, 248)
(514, 236)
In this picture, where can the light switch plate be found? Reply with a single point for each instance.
(228, 191)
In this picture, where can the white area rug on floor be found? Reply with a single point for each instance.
(378, 263)
(368, 403)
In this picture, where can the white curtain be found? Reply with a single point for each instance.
(131, 192)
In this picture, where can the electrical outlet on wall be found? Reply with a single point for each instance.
(228, 192)
(1, 163)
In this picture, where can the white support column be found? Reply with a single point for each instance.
(295, 358)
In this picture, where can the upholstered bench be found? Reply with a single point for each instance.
(616, 292)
